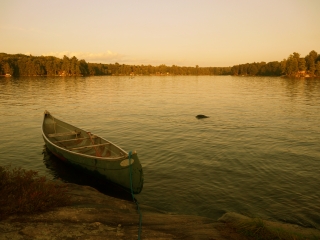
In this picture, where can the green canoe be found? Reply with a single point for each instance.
(92, 153)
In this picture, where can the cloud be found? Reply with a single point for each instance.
(104, 57)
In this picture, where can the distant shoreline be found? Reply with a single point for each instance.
(155, 75)
(28, 65)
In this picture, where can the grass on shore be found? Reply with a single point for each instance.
(23, 191)
(257, 229)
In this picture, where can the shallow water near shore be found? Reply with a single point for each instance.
(257, 154)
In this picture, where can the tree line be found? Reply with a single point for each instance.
(293, 66)
(28, 65)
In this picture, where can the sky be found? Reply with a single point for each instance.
(208, 33)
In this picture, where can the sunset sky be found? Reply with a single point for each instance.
(217, 33)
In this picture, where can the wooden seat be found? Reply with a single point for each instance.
(63, 134)
(73, 139)
(89, 146)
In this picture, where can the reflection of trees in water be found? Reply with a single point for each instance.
(68, 173)
(302, 88)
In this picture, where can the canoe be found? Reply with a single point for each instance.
(90, 152)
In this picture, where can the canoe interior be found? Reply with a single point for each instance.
(93, 153)
(79, 141)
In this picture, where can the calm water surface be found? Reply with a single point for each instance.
(258, 154)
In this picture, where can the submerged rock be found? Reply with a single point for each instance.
(201, 116)
(236, 219)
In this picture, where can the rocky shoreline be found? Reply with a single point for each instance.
(94, 215)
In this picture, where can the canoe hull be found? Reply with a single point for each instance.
(116, 170)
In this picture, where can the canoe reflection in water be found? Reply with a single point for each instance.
(66, 172)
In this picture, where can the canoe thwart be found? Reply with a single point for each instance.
(63, 134)
(89, 146)
(73, 139)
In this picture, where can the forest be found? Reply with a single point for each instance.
(28, 65)
(293, 66)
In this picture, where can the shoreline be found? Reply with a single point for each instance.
(161, 75)
(93, 215)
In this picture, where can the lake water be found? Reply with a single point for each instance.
(258, 154)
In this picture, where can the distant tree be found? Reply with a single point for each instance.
(311, 62)
(313, 54)
(283, 66)
(262, 68)
(312, 68)
(302, 64)
(49, 65)
(74, 66)
(8, 68)
(83, 67)
(296, 55)
(317, 67)
(243, 69)
(253, 70)
(292, 66)
(235, 70)
(66, 65)
(273, 68)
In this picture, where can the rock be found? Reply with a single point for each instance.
(200, 116)
(232, 217)
(94, 215)
(236, 218)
